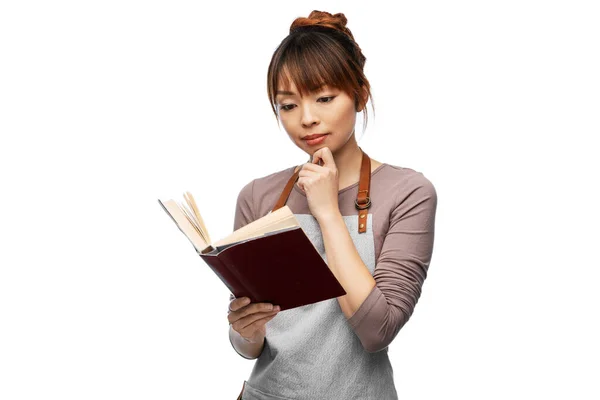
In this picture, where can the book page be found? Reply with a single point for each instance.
(220, 248)
(282, 218)
(183, 223)
(202, 227)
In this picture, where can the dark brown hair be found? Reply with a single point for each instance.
(320, 50)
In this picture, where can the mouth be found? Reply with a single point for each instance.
(315, 139)
(314, 136)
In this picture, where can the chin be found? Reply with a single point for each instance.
(310, 150)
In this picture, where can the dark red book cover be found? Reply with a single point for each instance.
(282, 268)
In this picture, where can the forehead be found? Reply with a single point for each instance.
(291, 90)
(286, 85)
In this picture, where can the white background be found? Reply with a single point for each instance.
(107, 106)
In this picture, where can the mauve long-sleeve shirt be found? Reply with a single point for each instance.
(314, 351)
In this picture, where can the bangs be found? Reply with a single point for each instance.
(310, 66)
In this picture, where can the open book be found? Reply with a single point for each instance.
(269, 260)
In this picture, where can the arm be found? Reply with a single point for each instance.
(378, 306)
(345, 263)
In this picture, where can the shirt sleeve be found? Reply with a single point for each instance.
(244, 213)
(401, 269)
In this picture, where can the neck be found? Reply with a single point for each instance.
(348, 161)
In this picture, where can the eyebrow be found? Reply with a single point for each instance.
(288, 93)
(285, 92)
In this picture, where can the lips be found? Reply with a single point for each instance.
(318, 139)
(314, 136)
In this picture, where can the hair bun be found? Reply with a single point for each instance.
(323, 18)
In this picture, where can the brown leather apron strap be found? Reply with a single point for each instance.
(286, 191)
(362, 202)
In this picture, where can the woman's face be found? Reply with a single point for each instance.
(327, 111)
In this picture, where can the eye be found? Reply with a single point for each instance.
(288, 107)
(284, 107)
(329, 97)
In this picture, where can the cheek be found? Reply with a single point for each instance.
(346, 118)
(285, 125)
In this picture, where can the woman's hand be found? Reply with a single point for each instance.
(320, 183)
(249, 319)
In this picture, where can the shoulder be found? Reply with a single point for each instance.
(283, 174)
(266, 183)
(405, 182)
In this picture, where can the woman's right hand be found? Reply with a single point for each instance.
(249, 319)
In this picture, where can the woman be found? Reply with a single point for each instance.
(377, 237)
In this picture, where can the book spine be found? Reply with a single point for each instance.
(224, 273)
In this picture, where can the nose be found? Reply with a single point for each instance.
(309, 115)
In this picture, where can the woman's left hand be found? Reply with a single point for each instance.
(320, 183)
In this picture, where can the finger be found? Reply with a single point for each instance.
(309, 167)
(316, 157)
(257, 325)
(245, 323)
(259, 307)
(308, 174)
(249, 310)
(324, 154)
(304, 181)
(236, 304)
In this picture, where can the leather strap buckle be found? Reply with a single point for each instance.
(363, 206)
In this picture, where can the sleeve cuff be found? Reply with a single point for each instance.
(372, 299)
